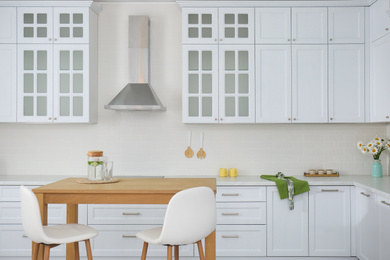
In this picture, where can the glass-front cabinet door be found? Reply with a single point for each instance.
(200, 25)
(236, 25)
(35, 83)
(71, 25)
(200, 81)
(35, 25)
(236, 84)
(71, 81)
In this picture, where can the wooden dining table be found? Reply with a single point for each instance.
(126, 191)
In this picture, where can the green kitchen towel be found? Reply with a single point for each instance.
(300, 186)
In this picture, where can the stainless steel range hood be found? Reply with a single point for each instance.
(138, 94)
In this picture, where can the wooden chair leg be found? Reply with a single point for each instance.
(200, 249)
(88, 247)
(76, 251)
(169, 255)
(176, 252)
(144, 251)
(46, 253)
(35, 249)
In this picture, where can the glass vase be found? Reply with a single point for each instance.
(376, 169)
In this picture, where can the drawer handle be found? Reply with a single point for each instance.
(335, 190)
(24, 235)
(128, 236)
(386, 203)
(229, 194)
(224, 236)
(131, 214)
(364, 194)
(229, 214)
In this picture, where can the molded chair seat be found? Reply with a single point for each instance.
(190, 217)
(51, 236)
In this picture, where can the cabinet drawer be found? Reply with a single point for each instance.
(241, 213)
(233, 194)
(241, 240)
(120, 240)
(126, 214)
(11, 193)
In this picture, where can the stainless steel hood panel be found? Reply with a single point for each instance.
(138, 95)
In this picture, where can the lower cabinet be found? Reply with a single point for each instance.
(383, 205)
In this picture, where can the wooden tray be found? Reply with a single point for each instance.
(86, 181)
(336, 174)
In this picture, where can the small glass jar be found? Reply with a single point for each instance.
(95, 165)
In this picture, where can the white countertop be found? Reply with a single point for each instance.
(380, 186)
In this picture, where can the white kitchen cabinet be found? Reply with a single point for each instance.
(379, 19)
(273, 83)
(346, 24)
(273, 25)
(8, 81)
(236, 25)
(309, 25)
(236, 84)
(379, 78)
(346, 83)
(330, 221)
(366, 225)
(309, 84)
(200, 25)
(8, 25)
(287, 230)
(383, 213)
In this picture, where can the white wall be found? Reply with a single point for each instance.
(153, 143)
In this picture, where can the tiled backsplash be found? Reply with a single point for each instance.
(153, 143)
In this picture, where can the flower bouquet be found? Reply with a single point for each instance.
(375, 148)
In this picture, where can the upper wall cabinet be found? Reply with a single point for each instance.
(8, 25)
(56, 25)
(200, 25)
(236, 25)
(309, 25)
(346, 24)
(379, 19)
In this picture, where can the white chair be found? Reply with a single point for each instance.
(190, 217)
(51, 236)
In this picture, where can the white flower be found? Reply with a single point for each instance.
(387, 146)
(360, 145)
(373, 150)
(378, 143)
(364, 150)
(370, 145)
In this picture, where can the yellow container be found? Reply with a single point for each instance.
(233, 172)
(222, 172)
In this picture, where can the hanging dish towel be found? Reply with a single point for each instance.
(288, 187)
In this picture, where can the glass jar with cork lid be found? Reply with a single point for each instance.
(96, 166)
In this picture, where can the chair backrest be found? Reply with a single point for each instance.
(31, 216)
(191, 216)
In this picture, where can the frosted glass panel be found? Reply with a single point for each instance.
(243, 83)
(243, 106)
(64, 32)
(42, 83)
(28, 106)
(229, 60)
(206, 60)
(193, 83)
(242, 18)
(193, 19)
(206, 18)
(230, 106)
(42, 32)
(230, 83)
(229, 18)
(207, 83)
(42, 60)
(28, 32)
(64, 83)
(193, 32)
(193, 106)
(64, 60)
(193, 60)
(243, 33)
(28, 60)
(64, 19)
(78, 60)
(41, 18)
(64, 106)
(78, 32)
(243, 60)
(28, 18)
(28, 86)
(207, 106)
(229, 33)
(206, 32)
(41, 106)
(77, 83)
(77, 106)
(77, 18)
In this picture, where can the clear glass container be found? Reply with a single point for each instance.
(96, 165)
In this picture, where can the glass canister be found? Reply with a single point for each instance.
(95, 165)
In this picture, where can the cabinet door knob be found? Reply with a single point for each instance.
(288, 39)
(293, 40)
(330, 39)
(215, 39)
(220, 39)
(49, 118)
(289, 119)
(216, 119)
(331, 118)
(295, 119)
(387, 29)
(55, 118)
(221, 119)
(387, 116)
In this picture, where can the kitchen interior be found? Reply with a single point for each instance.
(153, 144)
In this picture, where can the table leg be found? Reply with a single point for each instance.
(43, 208)
(71, 217)
(210, 246)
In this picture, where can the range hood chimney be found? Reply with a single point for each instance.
(138, 94)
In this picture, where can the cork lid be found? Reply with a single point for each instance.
(95, 153)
